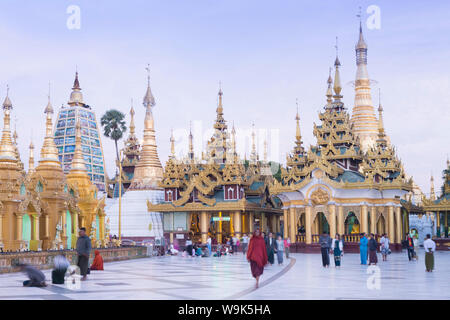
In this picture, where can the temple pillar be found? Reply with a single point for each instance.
(64, 230)
(438, 224)
(171, 238)
(46, 227)
(1, 228)
(251, 221)
(332, 218)
(102, 227)
(340, 221)
(19, 220)
(398, 221)
(391, 230)
(204, 226)
(219, 230)
(243, 225)
(364, 222)
(373, 219)
(237, 224)
(308, 225)
(263, 222)
(285, 223)
(35, 227)
(292, 225)
(273, 220)
(75, 227)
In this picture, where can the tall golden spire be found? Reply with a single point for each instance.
(363, 115)
(298, 137)
(337, 78)
(329, 90)
(16, 147)
(233, 143)
(6, 146)
(132, 125)
(78, 165)
(31, 158)
(148, 172)
(172, 146)
(432, 194)
(49, 153)
(253, 154)
(220, 121)
(191, 143)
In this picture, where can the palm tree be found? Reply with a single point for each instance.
(114, 127)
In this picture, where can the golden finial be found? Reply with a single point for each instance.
(49, 153)
(6, 146)
(31, 158)
(132, 125)
(337, 79)
(149, 100)
(432, 194)
(172, 145)
(191, 142)
(380, 116)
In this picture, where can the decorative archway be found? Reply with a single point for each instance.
(381, 225)
(352, 225)
(320, 224)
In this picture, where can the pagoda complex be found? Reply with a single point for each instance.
(217, 195)
(336, 186)
(143, 172)
(42, 209)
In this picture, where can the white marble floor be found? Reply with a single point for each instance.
(228, 277)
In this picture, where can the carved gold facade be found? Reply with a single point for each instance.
(219, 186)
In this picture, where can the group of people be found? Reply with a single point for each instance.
(331, 246)
(261, 251)
(36, 277)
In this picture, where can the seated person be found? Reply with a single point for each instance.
(218, 251)
(172, 250)
(198, 252)
(35, 276)
(206, 252)
(58, 273)
(97, 264)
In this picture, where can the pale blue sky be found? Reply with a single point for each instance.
(266, 53)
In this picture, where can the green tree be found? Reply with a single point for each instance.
(114, 126)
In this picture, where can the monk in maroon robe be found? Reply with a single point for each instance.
(257, 255)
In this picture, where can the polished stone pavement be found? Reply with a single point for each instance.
(228, 277)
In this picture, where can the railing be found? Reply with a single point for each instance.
(352, 238)
(301, 238)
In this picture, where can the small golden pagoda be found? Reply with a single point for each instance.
(218, 195)
(40, 210)
(439, 208)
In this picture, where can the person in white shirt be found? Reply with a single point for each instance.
(429, 246)
(244, 244)
(208, 244)
(384, 246)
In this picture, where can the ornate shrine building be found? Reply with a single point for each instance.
(218, 195)
(91, 143)
(338, 188)
(42, 208)
(438, 209)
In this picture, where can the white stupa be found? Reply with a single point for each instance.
(136, 222)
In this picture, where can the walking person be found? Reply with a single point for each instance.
(409, 246)
(189, 246)
(429, 246)
(384, 246)
(257, 255)
(372, 245)
(337, 247)
(287, 244)
(325, 244)
(270, 245)
(244, 244)
(280, 250)
(363, 249)
(83, 250)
